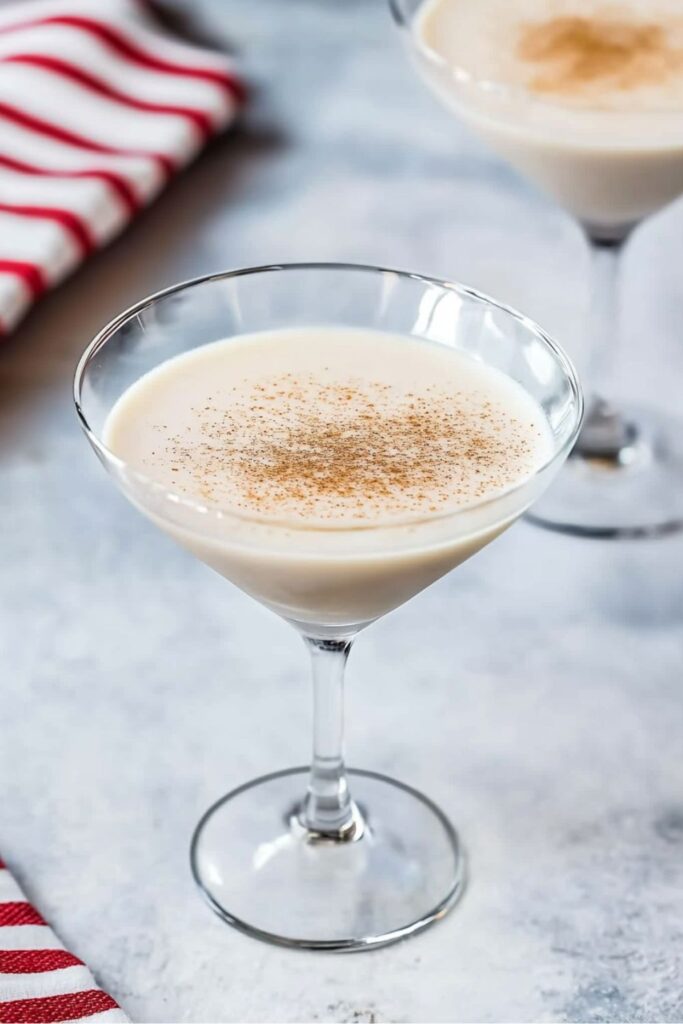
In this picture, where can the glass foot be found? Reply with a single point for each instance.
(263, 873)
(626, 490)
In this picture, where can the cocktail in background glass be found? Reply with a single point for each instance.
(326, 858)
(586, 99)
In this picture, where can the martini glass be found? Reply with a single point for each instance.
(610, 169)
(323, 857)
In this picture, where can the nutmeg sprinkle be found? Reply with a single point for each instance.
(307, 447)
(576, 53)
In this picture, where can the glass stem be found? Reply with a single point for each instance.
(606, 435)
(328, 809)
(604, 313)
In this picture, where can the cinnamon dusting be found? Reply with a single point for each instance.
(576, 54)
(355, 449)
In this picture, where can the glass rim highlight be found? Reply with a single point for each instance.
(220, 512)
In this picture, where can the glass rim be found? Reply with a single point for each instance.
(217, 511)
(503, 90)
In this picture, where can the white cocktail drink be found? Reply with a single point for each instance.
(339, 455)
(332, 439)
(582, 96)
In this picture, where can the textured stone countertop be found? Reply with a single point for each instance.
(536, 693)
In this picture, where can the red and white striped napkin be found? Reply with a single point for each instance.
(99, 106)
(40, 981)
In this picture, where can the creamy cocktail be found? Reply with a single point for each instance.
(327, 432)
(585, 97)
(332, 439)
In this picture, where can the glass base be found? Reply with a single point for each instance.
(263, 873)
(632, 491)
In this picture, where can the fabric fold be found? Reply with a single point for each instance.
(99, 107)
(41, 981)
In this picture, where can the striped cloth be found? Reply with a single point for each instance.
(39, 980)
(98, 108)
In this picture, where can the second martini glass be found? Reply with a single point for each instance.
(610, 168)
(325, 858)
